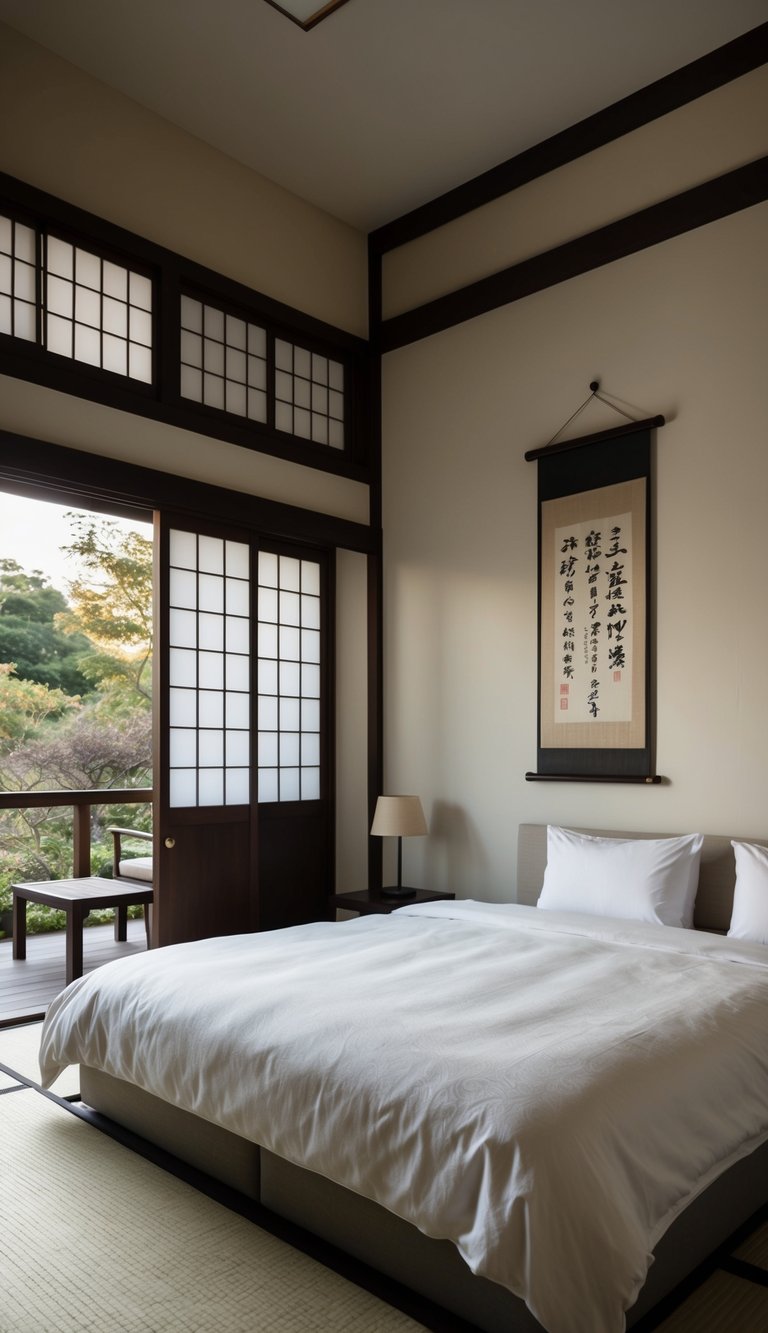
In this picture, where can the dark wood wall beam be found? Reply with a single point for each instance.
(375, 603)
(684, 85)
(71, 378)
(29, 466)
(693, 208)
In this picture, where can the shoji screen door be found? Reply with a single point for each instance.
(294, 761)
(243, 817)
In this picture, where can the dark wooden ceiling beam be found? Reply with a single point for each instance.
(702, 76)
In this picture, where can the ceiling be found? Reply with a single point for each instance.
(386, 103)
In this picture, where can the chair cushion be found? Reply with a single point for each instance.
(137, 867)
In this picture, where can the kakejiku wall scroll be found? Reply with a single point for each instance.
(594, 713)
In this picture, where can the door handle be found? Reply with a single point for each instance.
(170, 842)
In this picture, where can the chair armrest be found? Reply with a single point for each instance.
(117, 835)
(130, 832)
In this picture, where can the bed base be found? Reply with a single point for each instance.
(368, 1232)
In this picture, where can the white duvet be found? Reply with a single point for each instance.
(545, 1090)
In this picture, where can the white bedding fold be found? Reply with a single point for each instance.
(546, 1090)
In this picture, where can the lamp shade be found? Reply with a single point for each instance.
(398, 817)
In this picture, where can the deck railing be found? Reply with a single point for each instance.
(81, 803)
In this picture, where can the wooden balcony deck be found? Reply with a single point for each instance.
(27, 988)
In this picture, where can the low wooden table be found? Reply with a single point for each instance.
(76, 897)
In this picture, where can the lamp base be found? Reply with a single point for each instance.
(398, 891)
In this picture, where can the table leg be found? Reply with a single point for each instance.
(121, 922)
(19, 926)
(75, 918)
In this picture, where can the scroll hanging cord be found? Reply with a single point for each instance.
(595, 387)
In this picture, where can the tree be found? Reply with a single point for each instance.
(30, 636)
(26, 709)
(112, 605)
(97, 735)
(25, 705)
(85, 750)
(81, 751)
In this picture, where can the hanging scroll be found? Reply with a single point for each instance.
(594, 624)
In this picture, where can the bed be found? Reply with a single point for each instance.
(566, 1140)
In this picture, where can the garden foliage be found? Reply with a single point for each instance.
(75, 700)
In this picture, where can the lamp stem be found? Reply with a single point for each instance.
(399, 862)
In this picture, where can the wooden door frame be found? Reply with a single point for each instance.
(34, 467)
(40, 469)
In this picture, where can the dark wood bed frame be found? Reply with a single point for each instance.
(368, 1232)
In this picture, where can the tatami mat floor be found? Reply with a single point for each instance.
(730, 1295)
(722, 1304)
(96, 1238)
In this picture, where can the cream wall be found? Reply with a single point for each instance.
(65, 132)
(679, 329)
(46, 414)
(351, 722)
(697, 142)
(69, 134)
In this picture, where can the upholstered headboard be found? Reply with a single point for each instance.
(717, 873)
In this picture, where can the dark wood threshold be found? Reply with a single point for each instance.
(741, 1268)
(721, 1259)
(21, 1022)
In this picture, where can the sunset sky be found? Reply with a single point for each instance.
(33, 532)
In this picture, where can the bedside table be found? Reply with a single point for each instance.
(367, 901)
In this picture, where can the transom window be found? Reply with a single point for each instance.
(309, 394)
(223, 360)
(225, 363)
(74, 302)
(96, 311)
(18, 279)
(116, 319)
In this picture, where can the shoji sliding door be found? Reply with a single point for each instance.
(294, 761)
(243, 816)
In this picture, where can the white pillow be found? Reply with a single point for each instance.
(644, 879)
(749, 920)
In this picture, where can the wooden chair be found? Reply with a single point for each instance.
(131, 869)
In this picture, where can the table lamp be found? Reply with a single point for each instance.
(398, 817)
